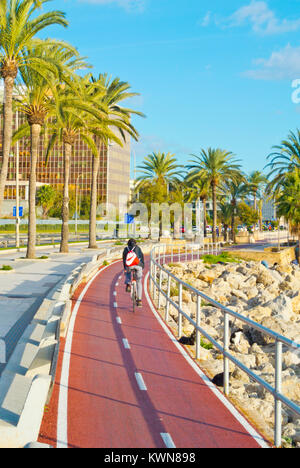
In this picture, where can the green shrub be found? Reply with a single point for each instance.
(224, 257)
(206, 345)
(6, 268)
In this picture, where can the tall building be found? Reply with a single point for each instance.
(269, 210)
(113, 177)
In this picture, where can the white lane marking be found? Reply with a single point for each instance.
(118, 319)
(115, 293)
(115, 305)
(117, 284)
(168, 440)
(120, 277)
(140, 381)
(258, 438)
(126, 344)
(62, 412)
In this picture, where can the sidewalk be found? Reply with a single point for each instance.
(23, 289)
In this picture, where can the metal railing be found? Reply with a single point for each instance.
(162, 254)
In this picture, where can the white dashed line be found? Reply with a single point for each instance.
(115, 293)
(168, 440)
(140, 381)
(115, 305)
(117, 284)
(126, 344)
(118, 319)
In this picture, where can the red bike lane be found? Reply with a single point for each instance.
(127, 384)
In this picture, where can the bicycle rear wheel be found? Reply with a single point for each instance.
(133, 295)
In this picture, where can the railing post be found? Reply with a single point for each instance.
(278, 389)
(198, 321)
(226, 348)
(154, 281)
(186, 254)
(159, 289)
(179, 311)
(172, 254)
(168, 296)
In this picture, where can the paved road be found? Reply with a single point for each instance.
(123, 382)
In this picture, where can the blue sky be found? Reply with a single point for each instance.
(210, 73)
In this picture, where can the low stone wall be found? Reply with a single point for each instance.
(283, 258)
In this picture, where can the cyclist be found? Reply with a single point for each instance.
(133, 259)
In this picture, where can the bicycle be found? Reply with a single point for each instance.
(133, 290)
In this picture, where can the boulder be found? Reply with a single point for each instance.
(281, 307)
(266, 278)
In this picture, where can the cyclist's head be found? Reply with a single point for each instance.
(131, 244)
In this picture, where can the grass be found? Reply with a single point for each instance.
(6, 268)
(43, 257)
(206, 345)
(224, 257)
(105, 263)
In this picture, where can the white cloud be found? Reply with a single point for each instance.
(262, 19)
(283, 64)
(206, 20)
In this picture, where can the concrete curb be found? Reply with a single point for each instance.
(27, 382)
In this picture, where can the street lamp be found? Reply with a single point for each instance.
(17, 185)
(110, 144)
(76, 196)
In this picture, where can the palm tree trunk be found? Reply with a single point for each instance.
(214, 197)
(93, 206)
(7, 132)
(204, 216)
(233, 236)
(298, 245)
(35, 131)
(64, 244)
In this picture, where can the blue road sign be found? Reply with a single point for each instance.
(129, 219)
(20, 211)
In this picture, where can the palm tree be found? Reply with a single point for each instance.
(215, 166)
(284, 159)
(288, 201)
(159, 172)
(235, 190)
(256, 182)
(36, 102)
(198, 188)
(108, 93)
(76, 115)
(19, 24)
(159, 168)
(225, 215)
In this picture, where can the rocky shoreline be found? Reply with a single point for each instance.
(270, 297)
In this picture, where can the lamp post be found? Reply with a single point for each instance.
(76, 196)
(12, 155)
(17, 186)
(110, 144)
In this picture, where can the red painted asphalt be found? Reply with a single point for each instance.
(106, 406)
